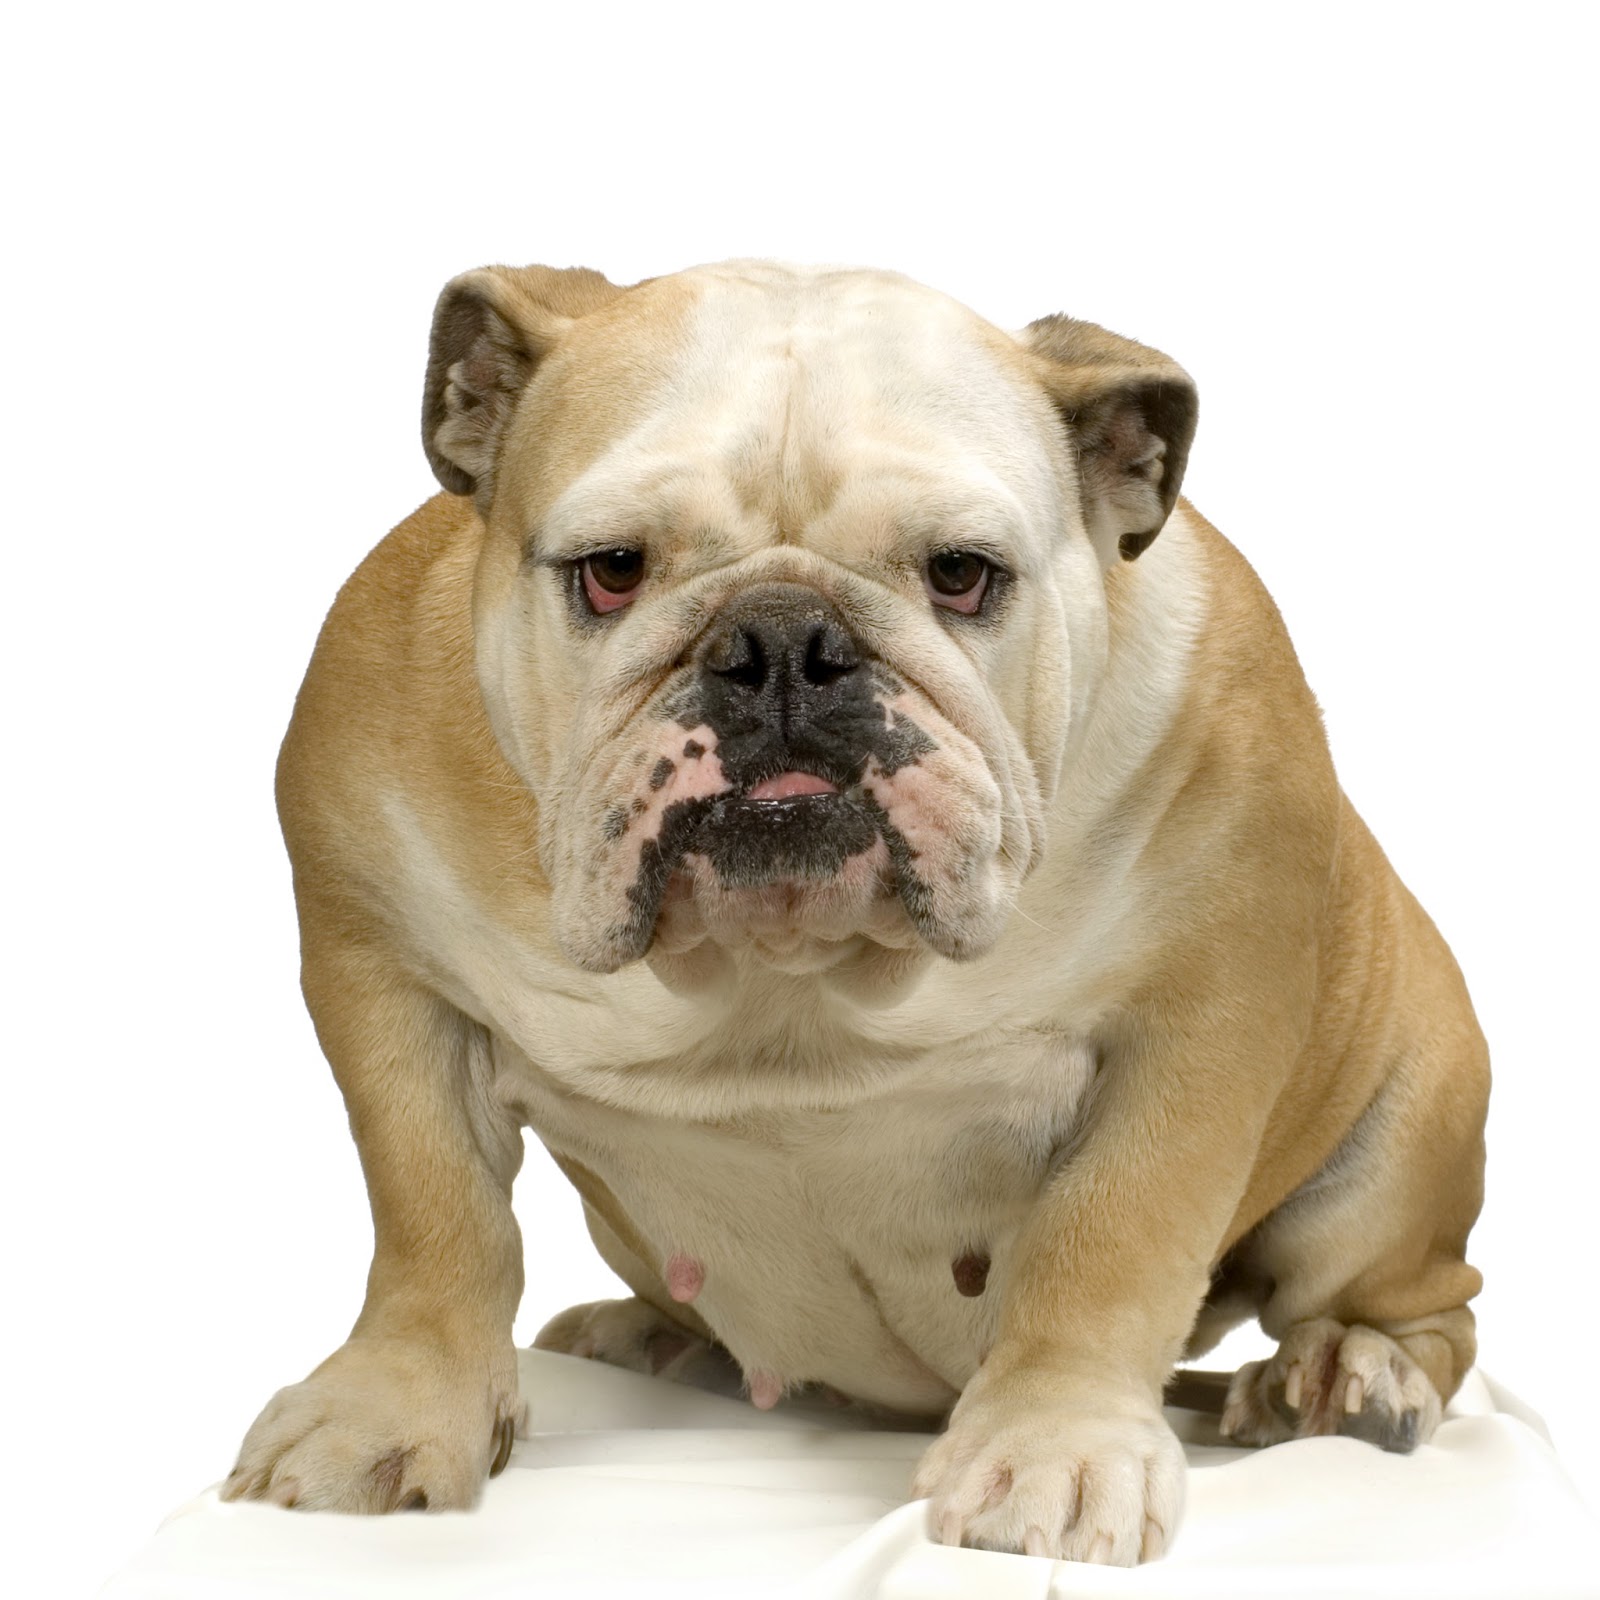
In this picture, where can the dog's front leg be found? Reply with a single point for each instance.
(1058, 1445)
(420, 1403)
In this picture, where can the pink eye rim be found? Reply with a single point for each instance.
(611, 578)
(957, 580)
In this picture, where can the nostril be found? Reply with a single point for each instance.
(740, 659)
(830, 654)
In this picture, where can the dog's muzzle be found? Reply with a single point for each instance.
(784, 687)
(788, 784)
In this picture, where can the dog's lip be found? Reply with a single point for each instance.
(792, 785)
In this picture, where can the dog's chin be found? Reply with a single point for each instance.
(790, 923)
(812, 884)
(851, 930)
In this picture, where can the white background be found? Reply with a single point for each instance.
(1364, 230)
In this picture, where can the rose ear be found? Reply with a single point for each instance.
(491, 328)
(1131, 412)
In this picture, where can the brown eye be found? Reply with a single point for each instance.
(611, 576)
(956, 580)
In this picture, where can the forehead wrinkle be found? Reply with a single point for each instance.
(787, 390)
(766, 451)
(628, 495)
(906, 505)
(857, 367)
(778, 475)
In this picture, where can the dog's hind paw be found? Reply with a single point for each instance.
(1326, 1379)
(634, 1335)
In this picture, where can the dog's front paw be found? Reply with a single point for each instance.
(1030, 1466)
(1327, 1378)
(383, 1425)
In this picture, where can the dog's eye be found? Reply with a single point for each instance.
(957, 580)
(610, 578)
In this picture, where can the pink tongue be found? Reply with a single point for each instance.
(790, 786)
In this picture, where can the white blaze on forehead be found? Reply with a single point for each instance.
(786, 383)
(871, 350)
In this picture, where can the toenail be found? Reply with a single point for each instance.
(504, 1436)
(1291, 1387)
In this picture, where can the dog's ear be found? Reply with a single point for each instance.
(491, 328)
(1131, 412)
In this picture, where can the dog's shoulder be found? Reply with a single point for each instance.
(390, 721)
(1248, 722)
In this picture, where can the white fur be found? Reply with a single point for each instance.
(828, 1152)
(798, 1142)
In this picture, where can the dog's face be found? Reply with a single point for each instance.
(792, 592)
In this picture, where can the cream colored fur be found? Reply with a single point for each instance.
(1165, 1041)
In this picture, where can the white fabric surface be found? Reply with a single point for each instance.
(637, 1486)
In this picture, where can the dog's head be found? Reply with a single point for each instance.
(791, 594)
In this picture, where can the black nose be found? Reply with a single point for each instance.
(781, 673)
(781, 641)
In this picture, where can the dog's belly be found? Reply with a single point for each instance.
(830, 1239)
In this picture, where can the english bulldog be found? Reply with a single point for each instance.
(811, 767)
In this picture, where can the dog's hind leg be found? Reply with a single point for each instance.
(1363, 1269)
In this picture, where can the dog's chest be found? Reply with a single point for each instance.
(865, 1245)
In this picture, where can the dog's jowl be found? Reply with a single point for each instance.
(811, 768)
